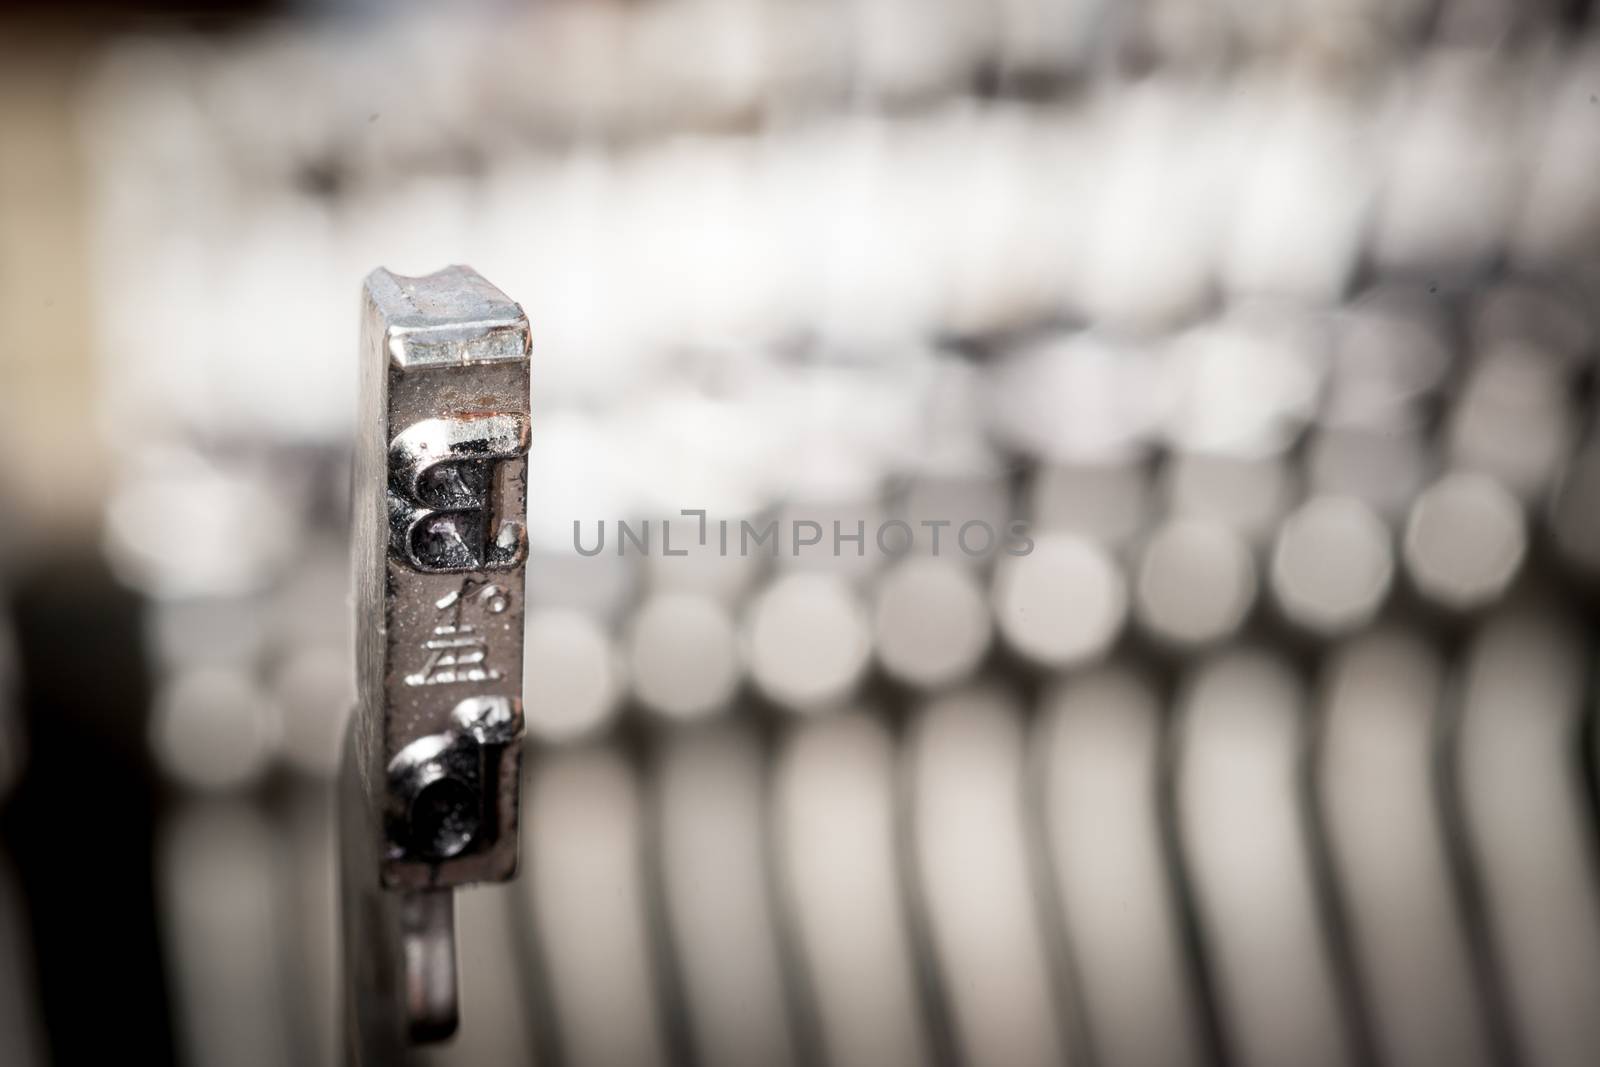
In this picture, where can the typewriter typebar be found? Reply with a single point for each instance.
(430, 788)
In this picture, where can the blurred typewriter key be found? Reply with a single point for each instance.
(1378, 790)
(573, 675)
(975, 881)
(214, 728)
(710, 797)
(1249, 862)
(931, 622)
(1464, 541)
(1097, 758)
(1526, 810)
(586, 900)
(1195, 583)
(835, 790)
(808, 641)
(430, 782)
(1061, 605)
(682, 655)
(1332, 565)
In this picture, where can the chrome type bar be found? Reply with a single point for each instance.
(431, 776)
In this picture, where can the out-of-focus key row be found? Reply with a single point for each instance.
(1253, 858)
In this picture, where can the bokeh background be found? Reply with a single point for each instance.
(1274, 321)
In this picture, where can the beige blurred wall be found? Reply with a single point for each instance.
(54, 469)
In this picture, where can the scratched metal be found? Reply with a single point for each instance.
(447, 346)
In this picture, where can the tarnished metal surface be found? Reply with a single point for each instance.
(440, 502)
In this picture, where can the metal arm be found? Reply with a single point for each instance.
(429, 795)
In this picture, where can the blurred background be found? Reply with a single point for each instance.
(1272, 322)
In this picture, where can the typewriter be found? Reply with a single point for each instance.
(1056, 532)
